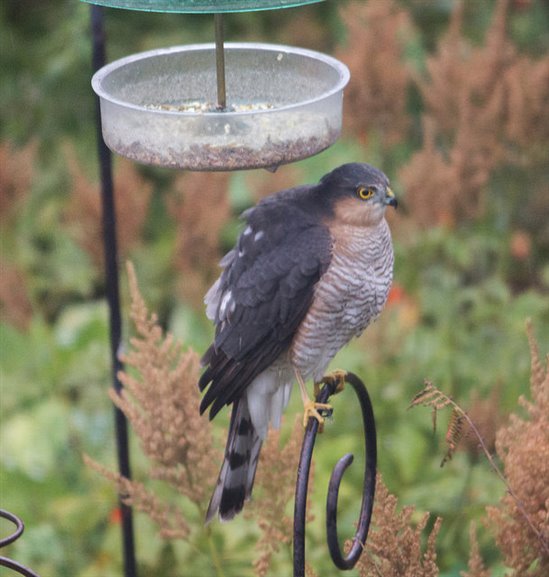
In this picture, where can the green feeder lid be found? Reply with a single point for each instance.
(211, 6)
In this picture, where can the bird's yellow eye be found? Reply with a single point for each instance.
(364, 192)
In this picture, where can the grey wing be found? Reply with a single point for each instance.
(260, 300)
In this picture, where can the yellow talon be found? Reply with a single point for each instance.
(312, 409)
(335, 378)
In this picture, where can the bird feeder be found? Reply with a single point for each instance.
(220, 106)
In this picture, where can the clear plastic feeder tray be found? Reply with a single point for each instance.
(283, 104)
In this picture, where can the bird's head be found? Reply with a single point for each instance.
(357, 194)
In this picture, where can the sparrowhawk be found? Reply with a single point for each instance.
(311, 269)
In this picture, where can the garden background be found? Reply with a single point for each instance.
(451, 100)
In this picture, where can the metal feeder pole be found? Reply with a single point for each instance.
(113, 294)
(220, 62)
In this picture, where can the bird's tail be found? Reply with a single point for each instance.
(236, 478)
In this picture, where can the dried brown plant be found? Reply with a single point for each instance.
(15, 303)
(17, 167)
(83, 214)
(460, 422)
(170, 521)
(485, 106)
(527, 127)
(374, 52)
(161, 401)
(464, 82)
(275, 483)
(464, 99)
(432, 183)
(164, 405)
(16, 175)
(473, 430)
(394, 545)
(475, 566)
(200, 207)
(520, 521)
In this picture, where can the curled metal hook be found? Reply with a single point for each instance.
(368, 489)
(19, 528)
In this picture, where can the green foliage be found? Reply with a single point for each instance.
(463, 298)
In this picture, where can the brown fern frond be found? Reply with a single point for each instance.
(434, 414)
(454, 434)
(431, 396)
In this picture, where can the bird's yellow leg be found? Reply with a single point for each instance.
(311, 408)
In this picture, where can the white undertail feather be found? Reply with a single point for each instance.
(268, 396)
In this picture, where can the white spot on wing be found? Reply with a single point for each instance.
(226, 299)
(247, 231)
(258, 235)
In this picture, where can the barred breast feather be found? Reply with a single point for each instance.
(348, 297)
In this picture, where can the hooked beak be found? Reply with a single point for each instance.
(390, 198)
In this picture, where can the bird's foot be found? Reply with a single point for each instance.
(336, 379)
(317, 411)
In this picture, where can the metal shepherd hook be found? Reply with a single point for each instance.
(4, 542)
(368, 490)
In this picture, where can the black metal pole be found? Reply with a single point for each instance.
(346, 562)
(302, 487)
(368, 489)
(113, 293)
